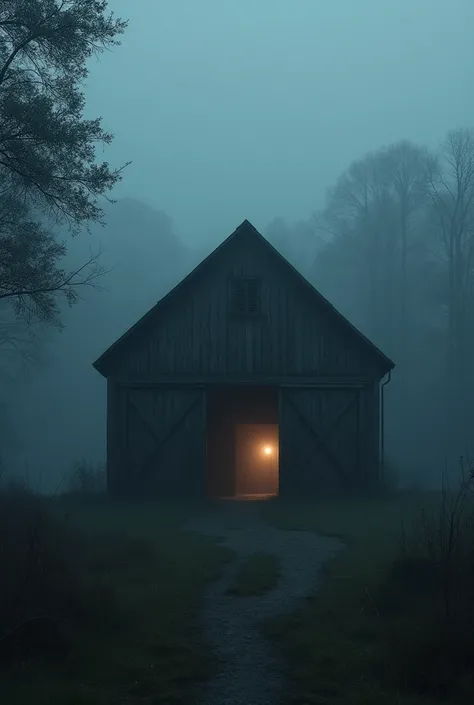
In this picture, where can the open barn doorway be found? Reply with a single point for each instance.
(242, 442)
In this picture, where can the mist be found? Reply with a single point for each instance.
(251, 111)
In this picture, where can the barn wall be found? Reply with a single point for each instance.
(138, 417)
(195, 335)
(370, 428)
(328, 441)
(115, 431)
(155, 441)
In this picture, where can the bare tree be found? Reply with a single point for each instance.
(349, 218)
(407, 167)
(374, 214)
(452, 193)
(451, 182)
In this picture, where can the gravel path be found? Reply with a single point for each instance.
(249, 667)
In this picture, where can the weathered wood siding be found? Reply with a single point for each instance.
(328, 440)
(156, 441)
(164, 439)
(115, 439)
(195, 335)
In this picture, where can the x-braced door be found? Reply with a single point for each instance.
(319, 439)
(165, 440)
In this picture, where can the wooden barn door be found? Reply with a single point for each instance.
(319, 440)
(165, 441)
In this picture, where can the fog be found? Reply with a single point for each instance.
(251, 110)
(242, 110)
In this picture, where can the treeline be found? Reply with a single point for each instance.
(395, 253)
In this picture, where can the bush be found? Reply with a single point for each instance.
(428, 592)
(86, 481)
(46, 592)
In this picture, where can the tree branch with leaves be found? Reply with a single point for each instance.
(47, 148)
(49, 172)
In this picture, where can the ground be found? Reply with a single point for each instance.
(249, 666)
(147, 575)
(336, 646)
(268, 602)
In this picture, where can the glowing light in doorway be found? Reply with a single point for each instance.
(267, 450)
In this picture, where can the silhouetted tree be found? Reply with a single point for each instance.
(374, 216)
(399, 262)
(452, 193)
(408, 168)
(48, 160)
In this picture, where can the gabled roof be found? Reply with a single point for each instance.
(248, 229)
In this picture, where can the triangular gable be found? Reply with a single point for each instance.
(247, 228)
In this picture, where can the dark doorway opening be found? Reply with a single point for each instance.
(242, 442)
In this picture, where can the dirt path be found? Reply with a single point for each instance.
(249, 667)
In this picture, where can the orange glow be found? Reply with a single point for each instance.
(256, 460)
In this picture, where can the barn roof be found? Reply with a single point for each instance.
(248, 229)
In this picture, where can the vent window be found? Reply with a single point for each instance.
(246, 297)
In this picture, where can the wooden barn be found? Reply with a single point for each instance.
(243, 381)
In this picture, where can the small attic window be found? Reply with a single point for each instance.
(246, 297)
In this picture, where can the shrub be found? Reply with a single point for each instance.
(86, 481)
(45, 591)
(428, 592)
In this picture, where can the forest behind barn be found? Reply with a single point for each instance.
(395, 253)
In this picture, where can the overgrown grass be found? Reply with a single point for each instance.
(86, 482)
(99, 602)
(347, 645)
(256, 575)
(428, 593)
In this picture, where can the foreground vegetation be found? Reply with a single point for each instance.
(393, 621)
(98, 602)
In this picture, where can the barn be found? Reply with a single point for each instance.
(243, 381)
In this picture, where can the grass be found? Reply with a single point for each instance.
(98, 602)
(119, 601)
(256, 575)
(341, 646)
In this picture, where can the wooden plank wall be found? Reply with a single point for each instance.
(320, 458)
(155, 441)
(196, 335)
(197, 338)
